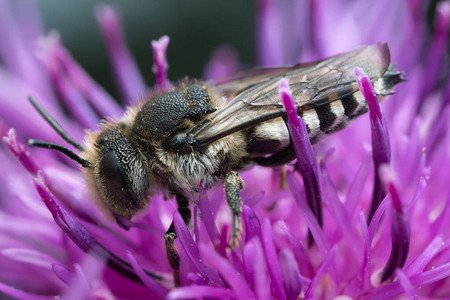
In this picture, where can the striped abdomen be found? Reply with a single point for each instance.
(331, 117)
(272, 137)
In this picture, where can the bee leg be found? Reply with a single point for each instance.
(233, 185)
(173, 256)
(171, 235)
(185, 212)
(121, 222)
(278, 159)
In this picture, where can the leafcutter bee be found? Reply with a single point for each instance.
(199, 131)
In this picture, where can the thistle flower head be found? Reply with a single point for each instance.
(376, 205)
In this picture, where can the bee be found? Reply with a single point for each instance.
(197, 132)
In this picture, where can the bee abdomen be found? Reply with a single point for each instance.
(331, 117)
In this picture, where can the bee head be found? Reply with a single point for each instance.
(117, 173)
(114, 168)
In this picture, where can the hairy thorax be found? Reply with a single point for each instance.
(185, 172)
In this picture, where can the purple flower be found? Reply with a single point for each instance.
(381, 151)
(160, 66)
(55, 242)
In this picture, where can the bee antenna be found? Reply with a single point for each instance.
(69, 153)
(58, 128)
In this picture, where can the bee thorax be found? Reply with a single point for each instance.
(180, 142)
(185, 171)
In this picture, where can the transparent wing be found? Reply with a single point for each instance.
(231, 85)
(312, 85)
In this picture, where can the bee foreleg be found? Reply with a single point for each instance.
(185, 212)
(278, 159)
(171, 235)
(233, 185)
(121, 221)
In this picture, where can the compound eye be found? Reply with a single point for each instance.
(114, 175)
(120, 190)
(120, 174)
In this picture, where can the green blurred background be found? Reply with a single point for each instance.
(195, 27)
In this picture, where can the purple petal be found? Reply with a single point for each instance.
(255, 269)
(400, 230)
(31, 25)
(291, 275)
(188, 243)
(368, 92)
(446, 96)
(421, 261)
(389, 180)
(413, 151)
(365, 266)
(147, 280)
(421, 185)
(192, 251)
(299, 250)
(248, 257)
(289, 104)
(187, 268)
(29, 256)
(251, 223)
(80, 287)
(223, 246)
(81, 237)
(252, 201)
(15, 51)
(63, 273)
(304, 15)
(194, 279)
(160, 64)
(272, 259)
(73, 100)
(269, 37)
(326, 263)
(18, 294)
(380, 139)
(128, 77)
(343, 219)
(393, 289)
(19, 151)
(378, 192)
(313, 225)
(438, 52)
(430, 276)
(406, 284)
(200, 291)
(227, 272)
(207, 216)
(444, 216)
(52, 51)
(377, 217)
(357, 185)
(223, 61)
(17, 112)
(306, 159)
(235, 257)
(196, 228)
